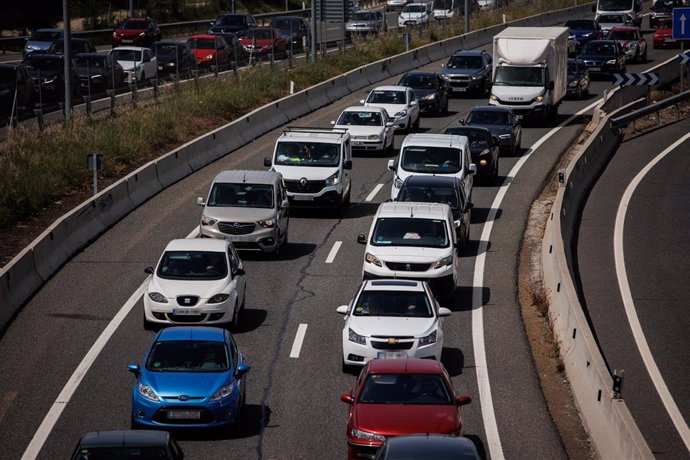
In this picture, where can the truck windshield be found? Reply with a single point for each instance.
(307, 154)
(431, 160)
(615, 5)
(519, 76)
(410, 231)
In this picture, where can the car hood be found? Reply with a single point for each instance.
(392, 326)
(392, 109)
(596, 57)
(581, 32)
(421, 92)
(175, 287)
(90, 71)
(202, 384)
(129, 65)
(413, 254)
(239, 214)
(525, 93)
(38, 45)
(361, 130)
(130, 32)
(257, 42)
(45, 74)
(663, 32)
(449, 71)
(397, 419)
(308, 172)
(226, 28)
(166, 58)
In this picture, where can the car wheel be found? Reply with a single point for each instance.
(347, 368)
(134, 425)
(235, 318)
(345, 201)
(276, 252)
(578, 93)
(416, 123)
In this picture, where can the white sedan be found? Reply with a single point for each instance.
(392, 318)
(370, 128)
(399, 101)
(198, 281)
(139, 64)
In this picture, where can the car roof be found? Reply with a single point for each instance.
(362, 108)
(491, 108)
(423, 180)
(225, 15)
(197, 244)
(414, 210)
(211, 334)
(405, 366)
(130, 48)
(252, 177)
(420, 72)
(469, 53)
(427, 444)
(434, 140)
(395, 285)
(603, 41)
(391, 88)
(125, 438)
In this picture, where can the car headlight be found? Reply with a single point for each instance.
(334, 179)
(209, 56)
(504, 136)
(147, 392)
(475, 77)
(611, 61)
(223, 392)
(428, 340)
(372, 259)
(205, 220)
(367, 436)
(446, 77)
(157, 297)
(219, 298)
(373, 137)
(538, 98)
(573, 83)
(268, 223)
(142, 34)
(493, 97)
(49, 81)
(354, 337)
(430, 97)
(93, 77)
(397, 183)
(28, 47)
(115, 34)
(170, 64)
(444, 262)
(402, 113)
(587, 35)
(632, 45)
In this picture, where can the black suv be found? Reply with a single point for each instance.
(468, 70)
(232, 24)
(429, 88)
(15, 81)
(76, 46)
(293, 28)
(128, 444)
(48, 74)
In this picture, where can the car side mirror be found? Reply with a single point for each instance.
(134, 369)
(494, 140)
(149, 270)
(413, 103)
(461, 121)
(391, 165)
(347, 398)
(463, 400)
(239, 272)
(200, 201)
(267, 162)
(390, 124)
(242, 369)
(342, 309)
(443, 311)
(332, 122)
(347, 164)
(361, 238)
(473, 169)
(285, 203)
(361, 101)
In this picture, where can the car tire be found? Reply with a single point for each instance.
(347, 368)
(148, 325)
(416, 123)
(345, 200)
(578, 93)
(234, 323)
(134, 425)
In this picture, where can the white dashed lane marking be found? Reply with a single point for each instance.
(299, 338)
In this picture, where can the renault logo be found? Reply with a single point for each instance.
(392, 340)
(183, 398)
(303, 182)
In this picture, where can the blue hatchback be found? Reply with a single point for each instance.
(190, 377)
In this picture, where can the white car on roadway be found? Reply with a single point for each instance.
(196, 280)
(392, 318)
(414, 14)
(399, 101)
(370, 128)
(139, 64)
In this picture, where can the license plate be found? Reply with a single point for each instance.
(127, 41)
(670, 40)
(303, 198)
(391, 354)
(595, 69)
(184, 414)
(459, 90)
(186, 311)
(357, 143)
(160, 67)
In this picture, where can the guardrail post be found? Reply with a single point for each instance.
(111, 94)
(87, 100)
(133, 89)
(154, 82)
(39, 117)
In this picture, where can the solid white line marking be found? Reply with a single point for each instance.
(488, 414)
(334, 251)
(629, 304)
(299, 338)
(374, 192)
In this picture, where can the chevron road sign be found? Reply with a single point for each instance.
(684, 58)
(635, 79)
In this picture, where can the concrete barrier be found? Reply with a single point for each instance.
(18, 282)
(295, 105)
(336, 88)
(356, 80)
(50, 252)
(83, 225)
(113, 203)
(318, 96)
(143, 183)
(173, 166)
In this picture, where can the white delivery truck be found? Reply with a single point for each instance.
(530, 70)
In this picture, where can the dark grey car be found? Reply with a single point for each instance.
(501, 122)
(467, 71)
(367, 22)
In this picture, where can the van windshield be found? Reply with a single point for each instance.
(431, 160)
(241, 195)
(307, 154)
(410, 231)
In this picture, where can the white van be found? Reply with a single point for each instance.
(433, 154)
(315, 164)
(413, 240)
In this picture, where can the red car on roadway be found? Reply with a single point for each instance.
(663, 36)
(136, 32)
(210, 50)
(394, 397)
(262, 42)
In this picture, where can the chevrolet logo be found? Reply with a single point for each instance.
(392, 340)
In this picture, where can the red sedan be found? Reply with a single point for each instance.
(262, 42)
(136, 32)
(394, 397)
(210, 50)
(663, 36)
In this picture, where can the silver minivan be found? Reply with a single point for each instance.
(250, 208)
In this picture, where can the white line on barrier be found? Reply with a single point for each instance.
(299, 338)
(629, 304)
(488, 414)
(374, 192)
(334, 251)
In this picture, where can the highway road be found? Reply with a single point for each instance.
(294, 410)
(637, 217)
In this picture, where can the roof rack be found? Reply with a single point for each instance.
(310, 129)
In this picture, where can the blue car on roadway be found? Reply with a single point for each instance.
(584, 30)
(190, 377)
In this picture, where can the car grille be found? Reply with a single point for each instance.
(391, 346)
(594, 63)
(459, 81)
(162, 416)
(312, 186)
(186, 318)
(405, 267)
(236, 228)
(514, 102)
(187, 300)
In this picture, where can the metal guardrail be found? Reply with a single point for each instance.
(623, 120)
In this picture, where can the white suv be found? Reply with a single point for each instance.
(392, 318)
(433, 154)
(415, 241)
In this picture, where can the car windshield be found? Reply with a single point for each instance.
(230, 20)
(285, 24)
(360, 119)
(431, 160)
(133, 25)
(404, 389)
(201, 43)
(364, 16)
(241, 195)
(419, 81)
(259, 34)
(615, 5)
(598, 49)
(45, 36)
(193, 265)
(414, 9)
(386, 97)
(622, 35)
(580, 24)
(126, 55)
(410, 231)
(121, 453)
(412, 304)
(478, 139)
(519, 76)
(44, 63)
(188, 356)
(435, 194)
(91, 61)
(611, 18)
(307, 154)
(465, 62)
(488, 117)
